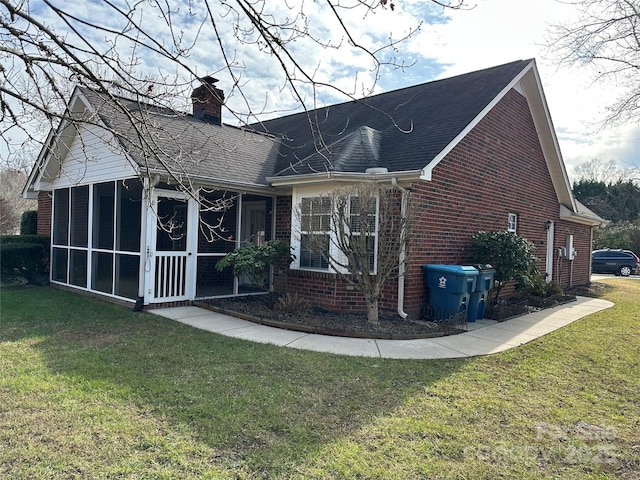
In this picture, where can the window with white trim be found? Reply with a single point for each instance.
(355, 230)
(512, 222)
(363, 221)
(315, 232)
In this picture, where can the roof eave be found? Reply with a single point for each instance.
(427, 171)
(581, 218)
(325, 177)
(530, 81)
(532, 86)
(229, 185)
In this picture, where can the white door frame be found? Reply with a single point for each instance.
(170, 276)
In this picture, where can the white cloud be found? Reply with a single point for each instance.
(448, 43)
(500, 31)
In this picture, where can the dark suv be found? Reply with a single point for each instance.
(620, 262)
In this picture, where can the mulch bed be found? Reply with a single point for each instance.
(263, 309)
(514, 307)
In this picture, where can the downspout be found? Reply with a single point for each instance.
(403, 249)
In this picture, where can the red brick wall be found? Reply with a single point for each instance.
(497, 169)
(44, 213)
(577, 272)
(322, 289)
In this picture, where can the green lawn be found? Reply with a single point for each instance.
(91, 390)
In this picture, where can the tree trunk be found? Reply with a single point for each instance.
(372, 312)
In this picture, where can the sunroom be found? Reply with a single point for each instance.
(156, 245)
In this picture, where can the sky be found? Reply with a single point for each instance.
(498, 31)
(494, 32)
(447, 43)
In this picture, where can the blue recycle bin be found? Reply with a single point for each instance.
(480, 295)
(450, 286)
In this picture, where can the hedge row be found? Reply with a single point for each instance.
(25, 256)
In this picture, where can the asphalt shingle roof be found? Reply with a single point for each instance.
(188, 146)
(414, 125)
(402, 130)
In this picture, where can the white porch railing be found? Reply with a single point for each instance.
(170, 276)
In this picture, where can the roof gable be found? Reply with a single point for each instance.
(154, 139)
(406, 131)
(417, 123)
(191, 149)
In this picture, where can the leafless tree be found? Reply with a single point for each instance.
(152, 53)
(606, 36)
(598, 170)
(360, 232)
(146, 51)
(12, 205)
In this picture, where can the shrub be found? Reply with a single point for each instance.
(536, 285)
(509, 254)
(24, 256)
(553, 288)
(255, 261)
(293, 304)
(29, 223)
(539, 287)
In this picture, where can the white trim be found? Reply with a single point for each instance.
(427, 171)
(528, 83)
(546, 131)
(314, 192)
(550, 252)
(512, 222)
(319, 179)
(581, 218)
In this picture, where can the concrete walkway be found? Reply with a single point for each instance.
(484, 337)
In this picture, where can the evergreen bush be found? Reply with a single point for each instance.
(29, 223)
(511, 256)
(24, 256)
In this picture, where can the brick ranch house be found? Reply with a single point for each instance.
(476, 152)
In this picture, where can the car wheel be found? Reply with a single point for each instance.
(625, 271)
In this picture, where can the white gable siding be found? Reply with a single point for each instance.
(94, 157)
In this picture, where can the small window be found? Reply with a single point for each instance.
(512, 224)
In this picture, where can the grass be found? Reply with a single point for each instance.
(91, 390)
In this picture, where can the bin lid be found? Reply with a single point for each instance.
(466, 270)
(483, 266)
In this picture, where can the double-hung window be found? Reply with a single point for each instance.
(363, 231)
(512, 223)
(350, 244)
(315, 231)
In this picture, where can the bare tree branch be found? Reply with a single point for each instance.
(606, 36)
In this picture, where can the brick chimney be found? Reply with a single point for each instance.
(207, 101)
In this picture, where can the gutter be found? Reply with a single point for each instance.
(323, 177)
(257, 188)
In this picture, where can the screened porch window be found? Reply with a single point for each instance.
(229, 220)
(106, 257)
